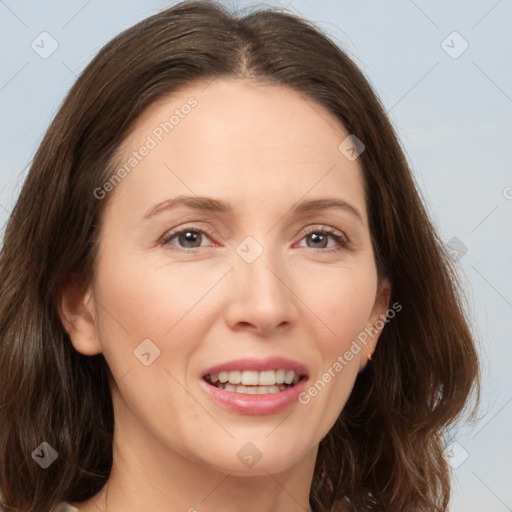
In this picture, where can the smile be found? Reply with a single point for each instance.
(251, 382)
(252, 386)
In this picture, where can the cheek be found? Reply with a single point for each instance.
(343, 299)
(141, 300)
(158, 311)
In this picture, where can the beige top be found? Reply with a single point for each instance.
(64, 506)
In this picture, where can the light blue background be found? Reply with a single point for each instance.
(454, 117)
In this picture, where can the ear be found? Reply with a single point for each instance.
(376, 321)
(77, 311)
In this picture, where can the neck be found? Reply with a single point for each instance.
(148, 476)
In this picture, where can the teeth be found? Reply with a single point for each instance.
(235, 377)
(288, 376)
(267, 378)
(249, 378)
(254, 378)
(251, 382)
(252, 390)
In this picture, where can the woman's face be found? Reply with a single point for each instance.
(252, 271)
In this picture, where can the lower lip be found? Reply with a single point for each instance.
(241, 403)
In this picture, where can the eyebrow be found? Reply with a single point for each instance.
(209, 204)
(324, 204)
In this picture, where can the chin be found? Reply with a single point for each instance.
(259, 455)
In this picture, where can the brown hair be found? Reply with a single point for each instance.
(385, 451)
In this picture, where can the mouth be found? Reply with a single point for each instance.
(252, 382)
(251, 386)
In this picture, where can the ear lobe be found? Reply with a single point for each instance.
(76, 308)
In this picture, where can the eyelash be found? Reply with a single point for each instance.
(338, 236)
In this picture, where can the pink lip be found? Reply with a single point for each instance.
(270, 403)
(260, 365)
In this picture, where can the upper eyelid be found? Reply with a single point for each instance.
(172, 233)
(330, 230)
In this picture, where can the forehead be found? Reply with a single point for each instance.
(250, 141)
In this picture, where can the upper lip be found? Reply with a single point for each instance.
(260, 365)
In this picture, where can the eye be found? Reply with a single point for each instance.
(319, 238)
(186, 238)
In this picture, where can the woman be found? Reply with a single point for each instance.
(221, 290)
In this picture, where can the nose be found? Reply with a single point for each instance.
(261, 298)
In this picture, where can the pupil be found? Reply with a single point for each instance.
(190, 237)
(315, 237)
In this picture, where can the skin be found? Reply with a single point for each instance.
(263, 148)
